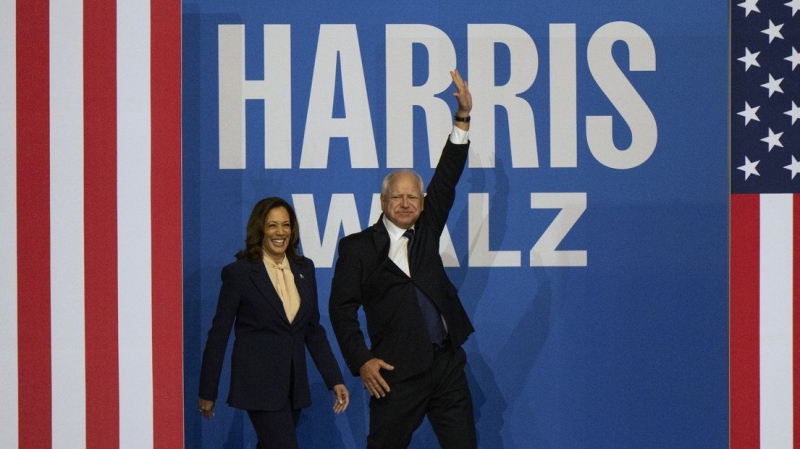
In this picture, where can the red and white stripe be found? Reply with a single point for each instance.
(765, 288)
(90, 224)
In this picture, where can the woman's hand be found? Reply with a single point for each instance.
(341, 398)
(206, 408)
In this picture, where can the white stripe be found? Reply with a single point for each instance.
(67, 292)
(9, 413)
(133, 196)
(776, 321)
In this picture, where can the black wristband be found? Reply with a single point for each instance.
(461, 119)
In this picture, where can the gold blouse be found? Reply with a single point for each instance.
(283, 280)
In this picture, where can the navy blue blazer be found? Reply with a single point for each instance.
(366, 277)
(267, 349)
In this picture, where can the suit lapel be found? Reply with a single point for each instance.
(381, 239)
(258, 273)
(414, 259)
(301, 281)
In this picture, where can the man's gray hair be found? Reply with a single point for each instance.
(387, 181)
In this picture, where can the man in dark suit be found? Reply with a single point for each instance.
(416, 322)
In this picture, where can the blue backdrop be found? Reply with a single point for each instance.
(589, 239)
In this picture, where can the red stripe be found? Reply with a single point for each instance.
(33, 224)
(165, 73)
(796, 313)
(744, 316)
(100, 203)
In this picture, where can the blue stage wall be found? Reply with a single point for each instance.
(589, 239)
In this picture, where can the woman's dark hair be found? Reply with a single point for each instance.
(255, 230)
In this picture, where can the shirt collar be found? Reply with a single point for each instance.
(395, 232)
(271, 263)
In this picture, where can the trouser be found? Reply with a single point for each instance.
(276, 429)
(441, 393)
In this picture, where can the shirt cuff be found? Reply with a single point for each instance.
(459, 136)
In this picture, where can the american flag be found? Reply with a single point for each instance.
(765, 217)
(90, 224)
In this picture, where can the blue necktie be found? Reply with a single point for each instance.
(433, 320)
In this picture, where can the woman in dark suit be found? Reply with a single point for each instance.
(269, 295)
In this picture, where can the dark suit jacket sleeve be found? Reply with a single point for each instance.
(441, 191)
(317, 340)
(344, 303)
(214, 353)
